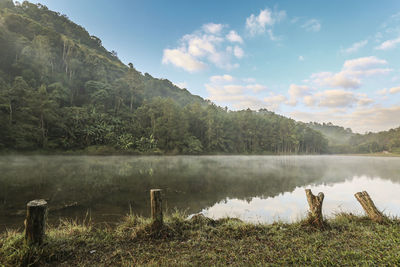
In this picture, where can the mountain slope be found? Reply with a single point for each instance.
(60, 89)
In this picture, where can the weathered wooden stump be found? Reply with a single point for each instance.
(369, 206)
(35, 222)
(315, 203)
(156, 208)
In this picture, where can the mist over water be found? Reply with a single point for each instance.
(252, 188)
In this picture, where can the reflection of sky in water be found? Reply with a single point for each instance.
(292, 206)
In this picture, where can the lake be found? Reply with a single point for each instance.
(252, 188)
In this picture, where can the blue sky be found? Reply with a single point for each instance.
(325, 61)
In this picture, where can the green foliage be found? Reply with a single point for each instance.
(349, 241)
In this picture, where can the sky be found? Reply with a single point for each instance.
(324, 61)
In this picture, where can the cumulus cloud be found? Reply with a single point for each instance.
(394, 90)
(335, 80)
(213, 28)
(180, 58)
(361, 120)
(312, 25)
(355, 47)
(274, 101)
(204, 47)
(238, 52)
(296, 92)
(233, 37)
(337, 99)
(363, 63)
(352, 72)
(389, 44)
(256, 88)
(257, 24)
(240, 93)
(221, 78)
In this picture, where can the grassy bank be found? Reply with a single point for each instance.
(349, 240)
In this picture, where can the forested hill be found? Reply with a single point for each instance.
(341, 140)
(60, 89)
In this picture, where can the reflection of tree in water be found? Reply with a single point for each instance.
(110, 185)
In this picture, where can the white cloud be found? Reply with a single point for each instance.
(204, 46)
(312, 25)
(201, 45)
(238, 93)
(309, 100)
(274, 101)
(351, 73)
(257, 24)
(394, 90)
(335, 80)
(256, 88)
(233, 37)
(222, 78)
(361, 120)
(383, 91)
(213, 28)
(238, 52)
(301, 58)
(296, 92)
(337, 99)
(389, 44)
(363, 63)
(355, 47)
(182, 59)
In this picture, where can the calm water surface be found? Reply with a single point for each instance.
(252, 188)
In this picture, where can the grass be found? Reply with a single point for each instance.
(349, 240)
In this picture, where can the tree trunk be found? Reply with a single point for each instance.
(35, 222)
(369, 206)
(11, 113)
(315, 203)
(156, 208)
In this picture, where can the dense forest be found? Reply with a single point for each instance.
(60, 90)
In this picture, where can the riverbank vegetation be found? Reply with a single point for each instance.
(349, 240)
(61, 90)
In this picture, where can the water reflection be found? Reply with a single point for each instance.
(256, 188)
(292, 206)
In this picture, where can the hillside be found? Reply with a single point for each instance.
(60, 89)
(341, 140)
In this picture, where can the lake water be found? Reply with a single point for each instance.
(252, 188)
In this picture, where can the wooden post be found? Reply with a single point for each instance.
(369, 206)
(156, 208)
(35, 222)
(315, 203)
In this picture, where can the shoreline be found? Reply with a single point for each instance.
(132, 153)
(348, 240)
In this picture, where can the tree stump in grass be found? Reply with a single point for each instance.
(369, 206)
(315, 203)
(35, 222)
(156, 209)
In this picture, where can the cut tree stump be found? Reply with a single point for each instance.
(156, 209)
(369, 206)
(35, 222)
(315, 203)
